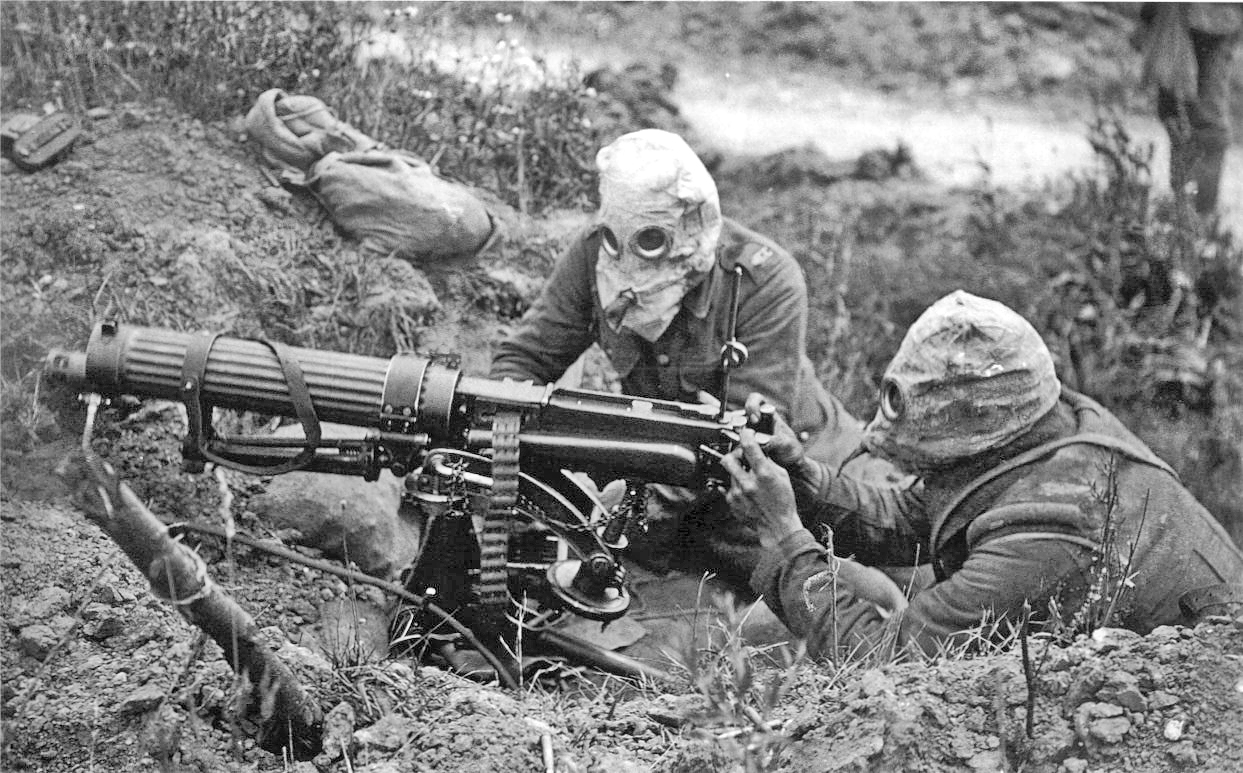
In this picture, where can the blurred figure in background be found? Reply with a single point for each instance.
(1188, 51)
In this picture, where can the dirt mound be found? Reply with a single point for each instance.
(162, 220)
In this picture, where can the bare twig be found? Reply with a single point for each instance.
(1029, 675)
(286, 716)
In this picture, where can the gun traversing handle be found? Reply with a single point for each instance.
(766, 424)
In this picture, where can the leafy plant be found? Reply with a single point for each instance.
(739, 703)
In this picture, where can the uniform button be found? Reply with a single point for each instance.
(663, 359)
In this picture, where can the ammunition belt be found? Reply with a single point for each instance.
(494, 543)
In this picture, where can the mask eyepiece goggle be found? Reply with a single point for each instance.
(650, 243)
(892, 401)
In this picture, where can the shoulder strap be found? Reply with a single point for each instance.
(1035, 454)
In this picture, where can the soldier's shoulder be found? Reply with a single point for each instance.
(582, 246)
(758, 255)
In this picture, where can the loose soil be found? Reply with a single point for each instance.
(166, 221)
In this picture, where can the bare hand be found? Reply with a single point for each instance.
(760, 491)
(784, 448)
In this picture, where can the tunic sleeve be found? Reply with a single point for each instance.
(557, 329)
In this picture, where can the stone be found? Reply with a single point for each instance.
(676, 710)
(45, 604)
(36, 640)
(988, 761)
(1174, 729)
(338, 735)
(1109, 639)
(141, 700)
(1183, 754)
(347, 518)
(874, 682)
(1110, 729)
(1122, 688)
(105, 627)
(389, 734)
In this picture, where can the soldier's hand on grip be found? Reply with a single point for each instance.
(784, 448)
(760, 490)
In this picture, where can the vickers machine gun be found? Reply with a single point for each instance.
(511, 539)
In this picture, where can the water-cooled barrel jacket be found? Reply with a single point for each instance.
(772, 323)
(1029, 524)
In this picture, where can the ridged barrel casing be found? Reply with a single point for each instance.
(240, 373)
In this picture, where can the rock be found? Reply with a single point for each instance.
(618, 763)
(95, 611)
(1122, 688)
(1174, 729)
(874, 682)
(36, 640)
(46, 603)
(1109, 639)
(387, 735)
(1161, 700)
(1054, 741)
(97, 113)
(141, 700)
(1074, 765)
(676, 710)
(1096, 722)
(62, 624)
(1110, 729)
(1083, 686)
(347, 518)
(105, 626)
(1183, 754)
(338, 736)
(301, 657)
(986, 761)
(1164, 632)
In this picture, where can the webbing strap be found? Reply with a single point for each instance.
(194, 373)
(1035, 454)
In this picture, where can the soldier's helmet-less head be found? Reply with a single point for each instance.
(659, 222)
(970, 376)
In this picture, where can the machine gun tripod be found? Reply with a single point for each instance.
(491, 464)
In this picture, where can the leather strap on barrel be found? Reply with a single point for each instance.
(494, 543)
(198, 413)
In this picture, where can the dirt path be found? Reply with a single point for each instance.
(760, 109)
(952, 141)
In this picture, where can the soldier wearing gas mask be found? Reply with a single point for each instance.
(650, 281)
(1027, 494)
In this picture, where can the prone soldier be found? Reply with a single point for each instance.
(1027, 494)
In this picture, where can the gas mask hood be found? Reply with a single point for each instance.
(659, 223)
